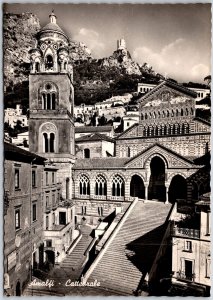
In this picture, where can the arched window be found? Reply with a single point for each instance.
(178, 128)
(181, 112)
(154, 115)
(49, 96)
(158, 114)
(48, 134)
(163, 114)
(187, 112)
(84, 185)
(160, 131)
(45, 142)
(128, 152)
(145, 116)
(86, 153)
(167, 113)
(172, 113)
(49, 62)
(177, 113)
(52, 139)
(152, 131)
(100, 186)
(37, 66)
(144, 131)
(117, 186)
(173, 129)
(183, 128)
(187, 128)
(141, 116)
(156, 130)
(49, 142)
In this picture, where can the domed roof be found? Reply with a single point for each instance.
(52, 26)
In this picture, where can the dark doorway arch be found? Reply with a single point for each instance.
(157, 189)
(177, 188)
(50, 258)
(18, 288)
(137, 188)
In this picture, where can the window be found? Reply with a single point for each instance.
(117, 186)
(47, 181)
(49, 62)
(84, 185)
(47, 222)
(53, 177)
(128, 152)
(86, 153)
(100, 186)
(34, 212)
(49, 142)
(33, 178)
(17, 219)
(208, 267)
(62, 218)
(188, 246)
(48, 243)
(127, 124)
(17, 179)
(208, 223)
(47, 201)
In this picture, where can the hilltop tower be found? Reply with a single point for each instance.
(51, 98)
(121, 44)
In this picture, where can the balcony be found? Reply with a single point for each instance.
(57, 231)
(183, 276)
(186, 232)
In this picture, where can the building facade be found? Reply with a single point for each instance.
(23, 217)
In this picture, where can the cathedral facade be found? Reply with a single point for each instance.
(155, 159)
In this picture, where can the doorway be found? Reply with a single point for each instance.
(188, 270)
(137, 188)
(18, 289)
(177, 189)
(157, 189)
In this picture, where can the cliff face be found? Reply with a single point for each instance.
(19, 36)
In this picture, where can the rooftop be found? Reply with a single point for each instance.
(94, 137)
(15, 153)
(88, 129)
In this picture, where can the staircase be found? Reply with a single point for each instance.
(71, 268)
(130, 255)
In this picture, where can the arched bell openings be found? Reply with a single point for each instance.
(48, 138)
(117, 186)
(49, 64)
(84, 185)
(49, 96)
(100, 186)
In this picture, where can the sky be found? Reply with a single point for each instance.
(175, 39)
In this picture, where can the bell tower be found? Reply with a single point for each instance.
(51, 101)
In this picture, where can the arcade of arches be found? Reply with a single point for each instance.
(156, 181)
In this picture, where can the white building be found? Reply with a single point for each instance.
(131, 118)
(12, 115)
(191, 255)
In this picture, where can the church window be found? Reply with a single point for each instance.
(52, 139)
(46, 144)
(178, 128)
(145, 116)
(160, 131)
(159, 114)
(128, 152)
(156, 130)
(167, 113)
(181, 112)
(86, 153)
(163, 114)
(49, 62)
(144, 131)
(117, 186)
(177, 113)
(187, 112)
(49, 97)
(154, 115)
(141, 116)
(152, 132)
(49, 142)
(37, 66)
(172, 113)
(187, 128)
(100, 186)
(84, 185)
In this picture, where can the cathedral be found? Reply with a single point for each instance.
(154, 159)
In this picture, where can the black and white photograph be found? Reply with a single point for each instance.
(107, 140)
